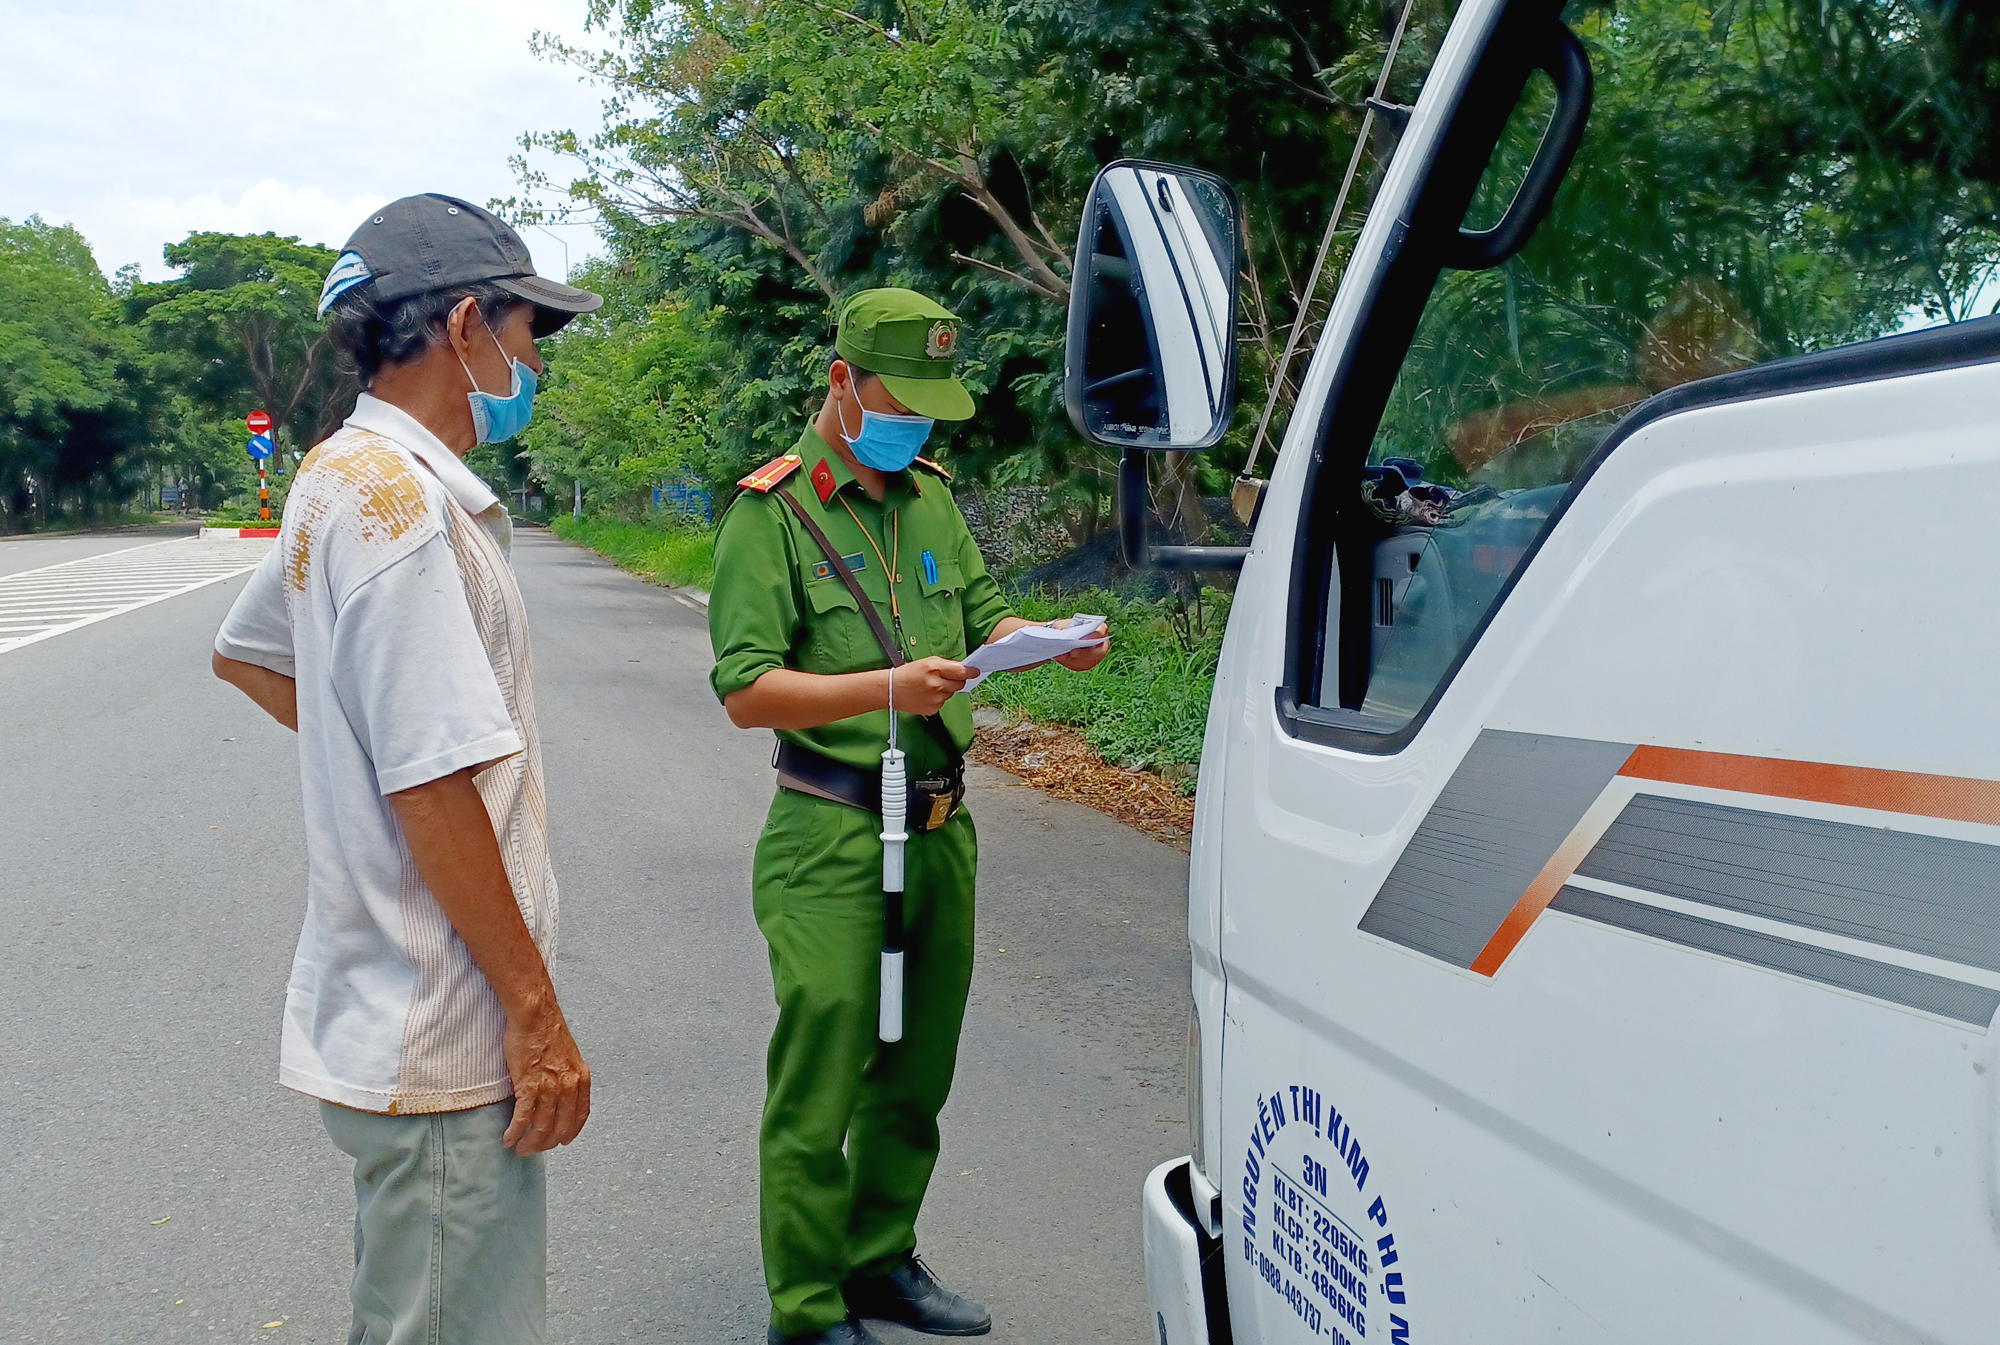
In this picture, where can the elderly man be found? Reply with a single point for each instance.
(386, 628)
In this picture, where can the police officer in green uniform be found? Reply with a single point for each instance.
(850, 1134)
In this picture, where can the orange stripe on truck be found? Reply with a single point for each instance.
(1588, 831)
(1946, 796)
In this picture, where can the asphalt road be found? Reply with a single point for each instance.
(160, 1186)
(30, 553)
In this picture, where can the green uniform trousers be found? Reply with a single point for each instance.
(850, 1130)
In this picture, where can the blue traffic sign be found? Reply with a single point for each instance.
(260, 446)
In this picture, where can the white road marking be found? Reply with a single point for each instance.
(38, 604)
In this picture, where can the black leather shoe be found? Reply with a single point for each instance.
(849, 1332)
(911, 1296)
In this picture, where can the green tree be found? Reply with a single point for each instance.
(238, 332)
(760, 160)
(74, 398)
(1788, 173)
(766, 117)
(204, 452)
(1759, 178)
(628, 398)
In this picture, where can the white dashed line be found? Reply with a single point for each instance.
(38, 604)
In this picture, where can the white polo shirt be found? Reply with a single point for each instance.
(389, 598)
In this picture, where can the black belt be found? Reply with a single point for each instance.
(933, 801)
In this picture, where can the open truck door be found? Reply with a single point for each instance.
(1595, 893)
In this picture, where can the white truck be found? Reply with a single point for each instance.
(1595, 889)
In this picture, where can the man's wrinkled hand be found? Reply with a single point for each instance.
(551, 1083)
(922, 687)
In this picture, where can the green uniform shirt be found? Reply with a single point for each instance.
(776, 603)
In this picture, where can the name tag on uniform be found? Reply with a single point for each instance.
(823, 569)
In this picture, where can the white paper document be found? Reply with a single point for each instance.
(1034, 644)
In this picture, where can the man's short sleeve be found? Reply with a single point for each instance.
(258, 628)
(412, 675)
(982, 602)
(753, 612)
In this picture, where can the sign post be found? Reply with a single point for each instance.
(260, 439)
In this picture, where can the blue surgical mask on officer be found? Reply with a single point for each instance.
(888, 443)
(496, 419)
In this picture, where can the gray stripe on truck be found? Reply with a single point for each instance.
(1923, 894)
(1919, 990)
(1501, 816)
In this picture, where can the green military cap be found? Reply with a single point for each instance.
(907, 341)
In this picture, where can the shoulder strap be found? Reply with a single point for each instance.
(771, 473)
(764, 479)
(932, 723)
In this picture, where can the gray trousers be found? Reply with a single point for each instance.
(450, 1229)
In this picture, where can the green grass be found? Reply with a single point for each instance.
(234, 515)
(674, 555)
(1146, 705)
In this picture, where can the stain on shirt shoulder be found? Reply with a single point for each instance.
(359, 484)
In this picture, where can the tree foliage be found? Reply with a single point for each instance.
(759, 160)
(1760, 177)
(103, 382)
(627, 403)
(238, 330)
(74, 396)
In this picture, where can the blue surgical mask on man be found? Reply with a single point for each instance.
(496, 419)
(888, 443)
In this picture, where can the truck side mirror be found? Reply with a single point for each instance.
(1151, 356)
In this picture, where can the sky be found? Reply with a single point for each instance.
(140, 122)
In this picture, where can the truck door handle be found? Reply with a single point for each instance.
(1563, 58)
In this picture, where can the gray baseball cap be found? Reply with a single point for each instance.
(437, 242)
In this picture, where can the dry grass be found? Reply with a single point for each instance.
(1056, 758)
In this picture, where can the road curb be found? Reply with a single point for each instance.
(225, 534)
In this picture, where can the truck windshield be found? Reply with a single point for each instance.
(1759, 178)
